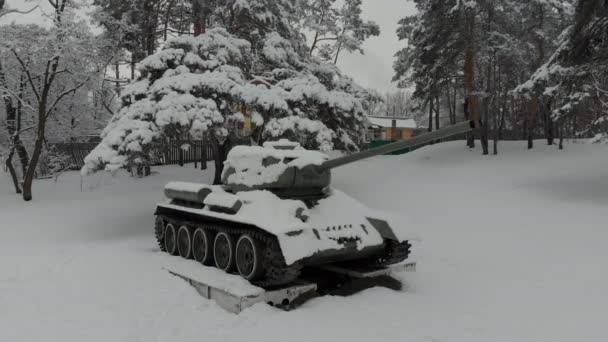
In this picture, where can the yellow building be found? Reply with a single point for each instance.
(389, 128)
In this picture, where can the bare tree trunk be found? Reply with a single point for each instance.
(449, 99)
(28, 179)
(535, 105)
(339, 49)
(498, 107)
(11, 170)
(484, 127)
(133, 64)
(532, 111)
(117, 73)
(200, 17)
(430, 129)
(13, 119)
(549, 124)
(495, 130)
(489, 96)
(495, 142)
(561, 134)
(467, 116)
(220, 153)
(150, 26)
(469, 75)
(437, 114)
(472, 106)
(167, 17)
(204, 154)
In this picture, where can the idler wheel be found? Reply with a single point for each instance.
(171, 239)
(248, 258)
(223, 251)
(201, 249)
(184, 242)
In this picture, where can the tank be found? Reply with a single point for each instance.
(276, 213)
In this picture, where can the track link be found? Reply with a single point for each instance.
(159, 232)
(277, 272)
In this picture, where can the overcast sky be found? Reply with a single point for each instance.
(374, 69)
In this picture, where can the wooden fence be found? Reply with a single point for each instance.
(170, 153)
(176, 152)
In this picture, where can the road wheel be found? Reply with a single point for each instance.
(248, 258)
(201, 246)
(184, 242)
(223, 251)
(170, 239)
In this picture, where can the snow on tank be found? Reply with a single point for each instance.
(278, 165)
(335, 223)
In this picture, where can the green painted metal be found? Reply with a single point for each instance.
(312, 181)
(378, 143)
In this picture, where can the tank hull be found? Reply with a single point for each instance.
(338, 228)
(187, 216)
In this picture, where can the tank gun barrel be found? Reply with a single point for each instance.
(396, 146)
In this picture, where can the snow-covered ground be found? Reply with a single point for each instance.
(514, 249)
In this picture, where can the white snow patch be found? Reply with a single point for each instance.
(514, 247)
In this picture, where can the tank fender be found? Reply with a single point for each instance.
(383, 228)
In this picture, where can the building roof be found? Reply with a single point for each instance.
(387, 122)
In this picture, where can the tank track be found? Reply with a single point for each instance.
(395, 253)
(277, 272)
(159, 230)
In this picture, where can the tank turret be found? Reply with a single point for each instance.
(290, 171)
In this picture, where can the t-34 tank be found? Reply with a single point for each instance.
(276, 213)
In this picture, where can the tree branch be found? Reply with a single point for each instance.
(10, 11)
(13, 95)
(51, 71)
(28, 74)
(107, 107)
(64, 94)
(17, 133)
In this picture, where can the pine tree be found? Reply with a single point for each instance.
(337, 29)
(476, 52)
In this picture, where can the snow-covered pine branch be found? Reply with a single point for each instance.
(194, 85)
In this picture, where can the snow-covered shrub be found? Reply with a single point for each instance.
(188, 87)
(53, 162)
(194, 85)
